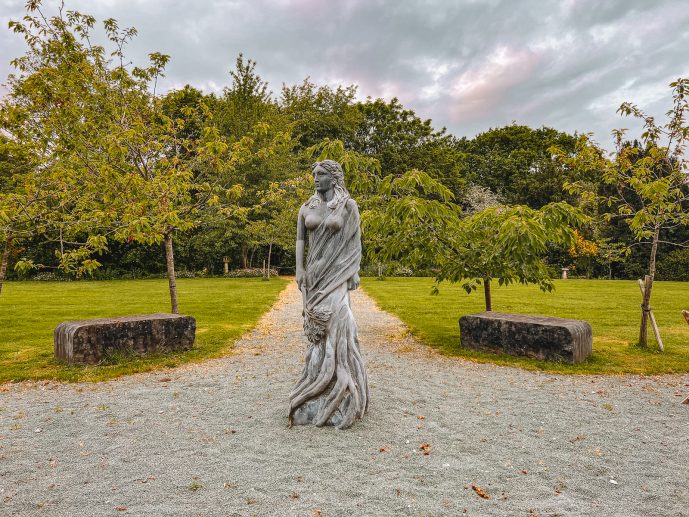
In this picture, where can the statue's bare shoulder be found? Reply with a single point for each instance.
(352, 206)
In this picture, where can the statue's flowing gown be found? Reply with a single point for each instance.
(333, 389)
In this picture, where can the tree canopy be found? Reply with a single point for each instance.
(105, 175)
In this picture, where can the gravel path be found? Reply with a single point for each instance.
(211, 439)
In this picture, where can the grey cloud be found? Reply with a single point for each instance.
(468, 65)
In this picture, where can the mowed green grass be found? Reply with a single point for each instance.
(612, 307)
(29, 312)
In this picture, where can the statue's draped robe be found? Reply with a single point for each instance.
(333, 389)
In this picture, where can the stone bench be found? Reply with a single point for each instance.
(91, 341)
(540, 337)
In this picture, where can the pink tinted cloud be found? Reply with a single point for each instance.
(477, 91)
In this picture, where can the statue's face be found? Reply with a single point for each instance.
(323, 179)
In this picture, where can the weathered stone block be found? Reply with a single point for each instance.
(90, 341)
(541, 337)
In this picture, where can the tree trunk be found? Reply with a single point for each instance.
(270, 250)
(610, 270)
(648, 285)
(486, 292)
(5, 259)
(245, 256)
(251, 258)
(170, 259)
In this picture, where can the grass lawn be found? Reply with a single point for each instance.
(29, 311)
(612, 307)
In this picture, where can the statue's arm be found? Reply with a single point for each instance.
(353, 211)
(299, 252)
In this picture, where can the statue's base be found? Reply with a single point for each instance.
(308, 412)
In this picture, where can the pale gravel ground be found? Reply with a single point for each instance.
(536, 443)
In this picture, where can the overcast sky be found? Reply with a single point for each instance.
(467, 64)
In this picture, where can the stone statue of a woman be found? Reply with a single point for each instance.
(333, 389)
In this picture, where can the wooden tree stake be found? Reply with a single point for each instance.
(656, 331)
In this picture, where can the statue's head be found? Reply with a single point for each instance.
(328, 174)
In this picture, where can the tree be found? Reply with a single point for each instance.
(245, 105)
(22, 200)
(584, 252)
(515, 162)
(401, 142)
(129, 171)
(45, 101)
(610, 252)
(648, 181)
(320, 112)
(420, 226)
(508, 244)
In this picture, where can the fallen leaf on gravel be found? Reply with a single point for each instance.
(164, 379)
(479, 491)
(317, 512)
(559, 487)
(229, 484)
(524, 471)
(294, 496)
(685, 401)
(382, 449)
(421, 417)
(121, 508)
(426, 448)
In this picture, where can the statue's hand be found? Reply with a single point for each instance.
(300, 278)
(353, 283)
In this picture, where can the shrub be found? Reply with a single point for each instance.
(50, 276)
(255, 272)
(191, 274)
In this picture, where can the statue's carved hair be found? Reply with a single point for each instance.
(341, 193)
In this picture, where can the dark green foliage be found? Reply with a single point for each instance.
(515, 163)
(237, 167)
(401, 141)
(675, 265)
(320, 112)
